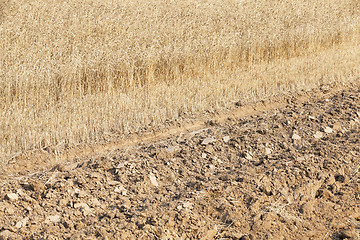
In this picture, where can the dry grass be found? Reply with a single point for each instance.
(75, 72)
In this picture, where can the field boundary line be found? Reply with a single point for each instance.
(41, 160)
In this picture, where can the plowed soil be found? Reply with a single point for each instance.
(290, 172)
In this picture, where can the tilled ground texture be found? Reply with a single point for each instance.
(290, 173)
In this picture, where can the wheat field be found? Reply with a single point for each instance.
(77, 72)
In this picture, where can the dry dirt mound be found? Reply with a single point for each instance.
(289, 173)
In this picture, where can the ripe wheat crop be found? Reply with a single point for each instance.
(82, 72)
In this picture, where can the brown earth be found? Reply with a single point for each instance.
(290, 172)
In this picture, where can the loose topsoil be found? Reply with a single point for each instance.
(288, 173)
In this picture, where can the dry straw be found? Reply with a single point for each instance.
(77, 72)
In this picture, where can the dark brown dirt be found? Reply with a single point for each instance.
(288, 173)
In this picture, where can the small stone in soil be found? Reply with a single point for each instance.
(171, 149)
(22, 223)
(208, 140)
(318, 135)
(120, 189)
(226, 139)
(328, 130)
(187, 205)
(248, 156)
(267, 151)
(54, 219)
(12, 196)
(95, 202)
(296, 137)
(85, 208)
(82, 194)
(113, 183)
(153, 180)
(126, 204)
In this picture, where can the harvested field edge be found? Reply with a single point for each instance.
(33, 162)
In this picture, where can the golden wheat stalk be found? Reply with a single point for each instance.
(112, 67)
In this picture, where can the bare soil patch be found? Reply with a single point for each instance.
(290, 172)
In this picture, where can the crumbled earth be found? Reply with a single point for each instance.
(289, 173)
